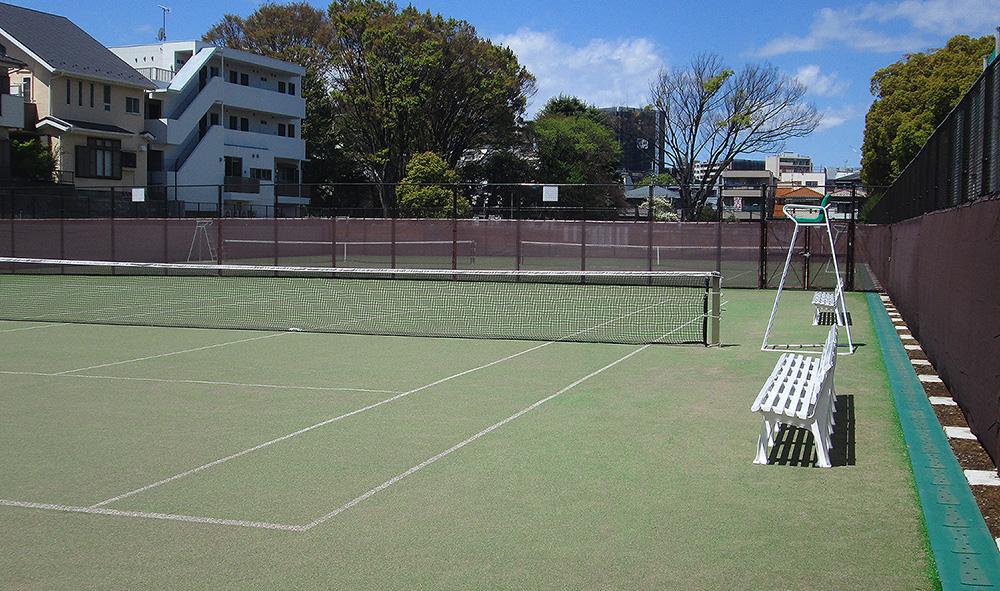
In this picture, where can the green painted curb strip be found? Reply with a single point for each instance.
(965, 552)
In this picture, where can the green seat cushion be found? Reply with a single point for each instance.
(817, 219)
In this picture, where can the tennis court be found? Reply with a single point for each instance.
(154, 457)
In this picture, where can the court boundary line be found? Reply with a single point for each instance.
(312, 427)
(172, 353)
(462, 444)
(23, 328)
(98, 508)
(200, 382)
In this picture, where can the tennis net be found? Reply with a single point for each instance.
(632, 307)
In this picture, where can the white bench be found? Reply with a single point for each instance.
(826, 301)
(800, 392)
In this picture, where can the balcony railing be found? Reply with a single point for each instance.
(157, 74)
(239, 184)
(292, 190)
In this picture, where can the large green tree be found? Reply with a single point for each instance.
(406, 82)
(300, 34)
(576, 145)
(912, 97)
(712, 114)
(429, 189)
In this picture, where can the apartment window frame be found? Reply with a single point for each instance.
(69, 91)
(100, 158)
(91, 95)
(291, 88)
(107, 97)
(291, 130)
(133, 105)
(79, 92)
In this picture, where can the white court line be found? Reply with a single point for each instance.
(148, 515)
(312, 427)
(267, 336)
(46, 325)
(459, 446)
(199, 382)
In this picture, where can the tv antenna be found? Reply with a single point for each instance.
(161, 35)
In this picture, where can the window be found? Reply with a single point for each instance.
(281, 129)
(26, 89)
(234, 77)
(263, 174)
(79, 92)
(286, 173)
(291, 89)
(213, 118)
(213, 71)
(69, 90)
(154, 109)
(291, 130)
(100, 159)
(245, 79)
(281, 87)
(132, 105)
(91, 95)
(244, 124)
(234, 166)
(128, 159)
(233, 122)
(107, 97)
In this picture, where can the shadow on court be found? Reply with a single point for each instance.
(794, 446)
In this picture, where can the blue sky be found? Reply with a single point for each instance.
(607, 53)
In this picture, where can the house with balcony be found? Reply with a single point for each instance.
(81, 99)
(11, 109)
(225, 127)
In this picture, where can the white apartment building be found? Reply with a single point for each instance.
(222, 118)
(791, 169)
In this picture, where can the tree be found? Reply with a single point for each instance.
(576, 145)
(912, 97)
(300, 34)
(712, 114)
(31, 160)
(429, 189)
(664, 179)
(405, 82)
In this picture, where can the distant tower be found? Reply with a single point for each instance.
(161, 35)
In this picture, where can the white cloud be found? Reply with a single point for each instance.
(820, 84)
(604, 72)
(909, 25)
(837, 117)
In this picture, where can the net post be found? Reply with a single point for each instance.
(715, 311)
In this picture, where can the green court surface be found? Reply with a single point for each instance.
(170, 458)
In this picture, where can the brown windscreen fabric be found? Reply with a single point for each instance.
(943, 276)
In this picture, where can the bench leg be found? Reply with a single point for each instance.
(821, 439)
(764, 442)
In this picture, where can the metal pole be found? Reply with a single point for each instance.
(454, 227)
(851, 229)
(762, 260)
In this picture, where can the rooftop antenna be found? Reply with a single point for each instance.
(161, 35)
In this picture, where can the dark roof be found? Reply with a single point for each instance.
(65, 47)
